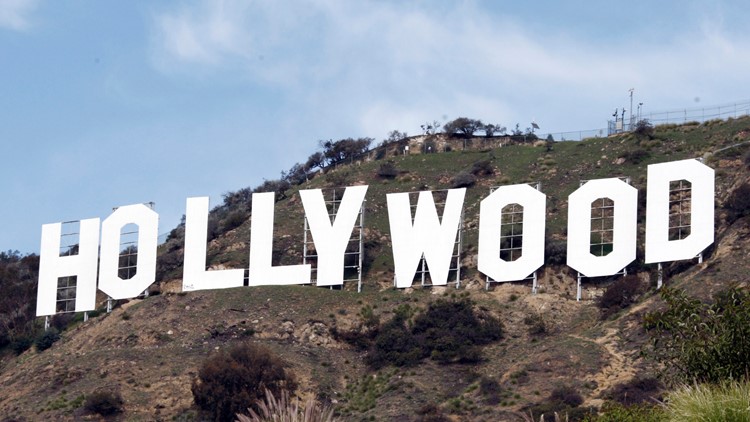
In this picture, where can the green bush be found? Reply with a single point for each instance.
(644, 129)
(104, 403)
(482, 168)
(448, 331)
(636, 391)
(704, 342)
(463, 180)
(234, 220)
(451, 330)
(387, 170)
(395, 345)
(46, 339)
(230, 382)
(21, 344)
(636, 156)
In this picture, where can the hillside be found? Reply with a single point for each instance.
(150, 349)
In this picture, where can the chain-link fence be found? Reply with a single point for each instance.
(677, 116)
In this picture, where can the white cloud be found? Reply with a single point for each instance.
(379, 66)
(14, 14)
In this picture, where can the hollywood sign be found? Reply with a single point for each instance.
(425, 235)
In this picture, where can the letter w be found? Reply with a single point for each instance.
(427, 236)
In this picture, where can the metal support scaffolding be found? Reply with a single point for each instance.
(355, 249)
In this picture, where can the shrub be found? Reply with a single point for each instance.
(644, 128)
(566, 395)
(738, 203)
(635, 156)
(490, 389)
(622, 293)
(451, 330)
(387, 170)
(482, 168)
(233, 381)
(338, 178)
(463, 180)
(430, 412)
(555, 252)
(234, 220)
(282, 409)
(104, 403)
(395, 345)
(61, 321)
(535, 322)
(562, 401)
(46, 340)
(638, 390)
(21, 344)
(447, 331)
(704, 342)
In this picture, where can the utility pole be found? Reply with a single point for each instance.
(639, 112)
(631, 107)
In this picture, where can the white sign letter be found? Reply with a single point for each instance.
(195, 276)
(148, 233)
(427, 236)
(490, 230)
(625, 198)
(262, 272)
(331, 239)
(701, 177)
(53, 266)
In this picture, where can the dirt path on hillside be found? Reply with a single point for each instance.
(619, 367)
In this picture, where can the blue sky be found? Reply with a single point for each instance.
(104, 104)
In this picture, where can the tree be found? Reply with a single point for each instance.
(393, 137)
(491, 129)
(316, 160)
(430, 128)
(344, 149)
(463, 126)
(296, 175)
(279, 187)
